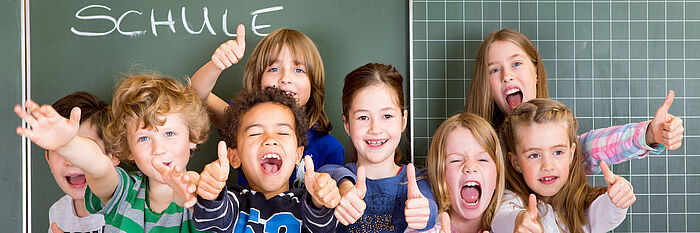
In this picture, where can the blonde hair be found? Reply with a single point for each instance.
(479, 99)
(488, 139)
(147, 97)
(305, 52)
(576, 196)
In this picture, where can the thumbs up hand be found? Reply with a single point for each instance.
(213, 178)
(230, 52)
(184, 185)
(417, 206)
(527, 219)
(666, 128)
(619, 190)
(445, 226)
(352, 206)
(321, 186)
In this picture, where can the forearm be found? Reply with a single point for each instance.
(204, 79)
(615, 145)
(84, 153)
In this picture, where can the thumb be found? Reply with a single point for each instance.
(361, 186)
(663, 110)
(55, 229)
(532, 207)
(608, 175)
(74, 116)
(445, 226)
(240, 36)
(309, 173)
(223, 159)
(413, 191)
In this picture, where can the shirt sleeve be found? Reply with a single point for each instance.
(504, 219)
(615, 145)
(603, 215)
(317, 220)
(121, 195)
(217, 215)
(338, 172)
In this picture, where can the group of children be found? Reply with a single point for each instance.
(525, 175)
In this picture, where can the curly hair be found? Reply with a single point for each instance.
(146, 97)
(91, 109)
(249, 98)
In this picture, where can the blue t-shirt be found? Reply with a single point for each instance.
(323, 149)
(385, 200)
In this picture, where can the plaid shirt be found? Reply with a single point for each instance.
(616, 144)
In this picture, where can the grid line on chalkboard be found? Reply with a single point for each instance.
(612, 62)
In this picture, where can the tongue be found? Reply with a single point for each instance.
(514, 99)
(470, 194)
(80, 179)
(270, 167)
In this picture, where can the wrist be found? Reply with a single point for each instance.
(649, 135)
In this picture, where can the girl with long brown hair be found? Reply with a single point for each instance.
(546, 185)
(508, 70)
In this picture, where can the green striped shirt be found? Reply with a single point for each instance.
(128, 210)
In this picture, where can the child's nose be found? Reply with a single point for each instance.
(374, 126)
(470, 166)
(158, 147)
(508, 75)
(547, 163)
(270, 141)
(286, 78)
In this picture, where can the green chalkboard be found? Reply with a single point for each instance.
(611, 62)
(65, 57)
(11, 89)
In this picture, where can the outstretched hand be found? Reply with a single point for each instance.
(619, 190)
(352, 204)
(184, 185)
(213, 178)
(49, 130)
(666, 128)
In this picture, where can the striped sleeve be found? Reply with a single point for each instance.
(93, 204)
(217, 215)
(317, 220)
(615, 145)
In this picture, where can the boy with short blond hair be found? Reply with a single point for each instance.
(153, 117)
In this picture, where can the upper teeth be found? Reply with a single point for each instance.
(472, 184)
(271, 156)
(513, 90)
(377, 142)
(289, 93)
(548, 178)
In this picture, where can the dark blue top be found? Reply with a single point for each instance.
(323, 148)
(385, 200)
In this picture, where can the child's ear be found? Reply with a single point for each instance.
(404, 120)
(233, 158)
(573, 150)
(514, 161)
(115, 160)
(346, 125)
(300, 154)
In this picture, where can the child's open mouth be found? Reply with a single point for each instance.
(548, 179)
(271, 163)
(76, 180)
(471, 194)
(375, 143)
(514, 96)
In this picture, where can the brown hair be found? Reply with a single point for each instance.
(91, 108)
(479, 99)
(146, 97)
(265, 54)
(247, 99)
(488, 139)
(576, 196)
(369, 75)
